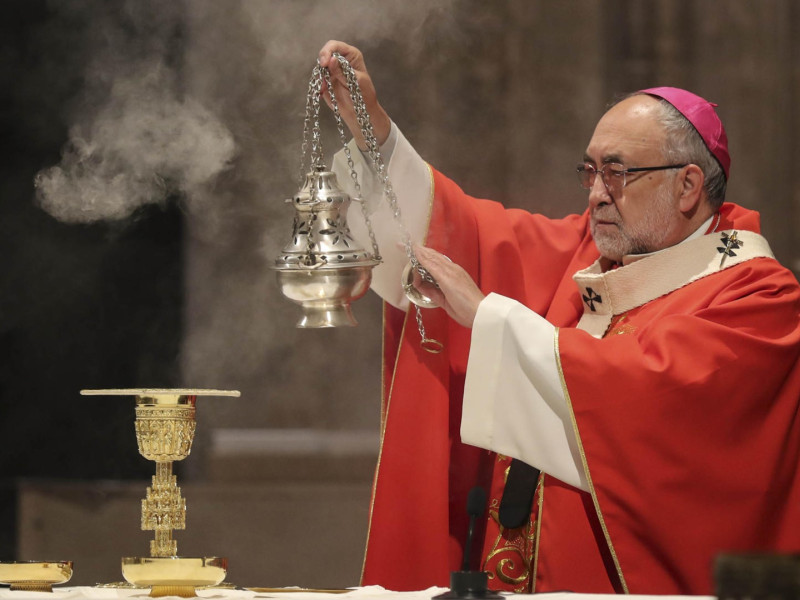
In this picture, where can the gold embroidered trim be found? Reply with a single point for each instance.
(620, 325)
(540, 504)
(510, 558)
(586, 466)
(517, 544)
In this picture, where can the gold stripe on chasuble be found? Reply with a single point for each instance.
(386, 402)
(595, 501)
(539, 506)
(384, 418)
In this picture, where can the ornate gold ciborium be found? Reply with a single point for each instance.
(165, 426)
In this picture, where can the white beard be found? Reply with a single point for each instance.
(645, 236)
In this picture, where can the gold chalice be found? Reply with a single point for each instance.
(165, 426)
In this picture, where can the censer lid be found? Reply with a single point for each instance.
(321, 238)
(320, 186)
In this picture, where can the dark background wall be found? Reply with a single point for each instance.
(502, 96)
(90, 305)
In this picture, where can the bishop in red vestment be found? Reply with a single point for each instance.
(654, 335)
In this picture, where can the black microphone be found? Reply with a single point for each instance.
(476, 504)
(466, 584)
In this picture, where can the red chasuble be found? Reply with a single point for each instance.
(686, 412)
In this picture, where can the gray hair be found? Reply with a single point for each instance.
(683, 144)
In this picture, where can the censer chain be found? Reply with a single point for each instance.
(312, 130)
(351, 165)
(367, 132)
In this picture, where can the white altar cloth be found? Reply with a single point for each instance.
(363, 593)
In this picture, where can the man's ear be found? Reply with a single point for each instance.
(691, 191)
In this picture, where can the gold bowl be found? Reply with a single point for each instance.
(174, 575)
(32, 576)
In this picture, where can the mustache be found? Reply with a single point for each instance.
(608, 214)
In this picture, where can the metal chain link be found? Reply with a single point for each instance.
(364, 122)
(311, 128)
(306, 125)
(317, 157)
(351, 164)
(367, 132)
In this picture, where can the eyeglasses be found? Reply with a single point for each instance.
(613, 175)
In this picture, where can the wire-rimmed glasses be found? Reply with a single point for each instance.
(613, 175)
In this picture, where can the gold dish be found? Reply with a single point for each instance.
(174, 575)
(32, 576)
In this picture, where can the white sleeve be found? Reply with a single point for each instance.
(513, 399)
(410, 178)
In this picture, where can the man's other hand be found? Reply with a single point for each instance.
(457, 293)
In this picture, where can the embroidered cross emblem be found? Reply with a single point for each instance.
(731, 243)
(592, 298)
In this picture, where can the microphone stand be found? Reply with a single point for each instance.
(466, 584)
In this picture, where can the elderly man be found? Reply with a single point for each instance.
(625, 381)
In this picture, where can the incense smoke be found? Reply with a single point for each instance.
(137, 135)
(151, 136)
(144, 145)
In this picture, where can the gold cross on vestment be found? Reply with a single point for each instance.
(731, 243)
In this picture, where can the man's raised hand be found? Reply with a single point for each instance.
(381, 124)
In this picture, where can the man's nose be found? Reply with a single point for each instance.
(598, 193)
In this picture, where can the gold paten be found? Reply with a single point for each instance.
(35, 576)
(165, 427)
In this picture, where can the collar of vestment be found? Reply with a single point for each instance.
(614, 292)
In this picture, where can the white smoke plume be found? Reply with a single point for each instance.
(136, 135)
(151, 137)
(144, 145)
